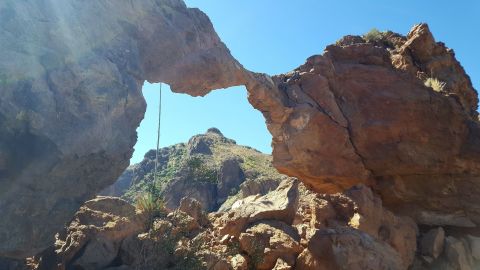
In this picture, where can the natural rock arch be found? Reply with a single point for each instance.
(71, 102)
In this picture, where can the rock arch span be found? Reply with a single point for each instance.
(71, 74)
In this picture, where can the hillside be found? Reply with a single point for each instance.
(210, 168)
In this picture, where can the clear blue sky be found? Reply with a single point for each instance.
(275, 36)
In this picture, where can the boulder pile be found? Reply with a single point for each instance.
(288, 228)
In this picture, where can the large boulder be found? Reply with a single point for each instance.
(180, 187)
(345, 248)
(277, 205)
(457, 254)
(71, 74)
(349, 230)
(368, 112)
(266, 242)
(362, 213)
(194, 209)
(93, 238)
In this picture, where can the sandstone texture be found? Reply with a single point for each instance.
(362, 113)
(71, 74)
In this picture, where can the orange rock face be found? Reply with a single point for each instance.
(362, 113)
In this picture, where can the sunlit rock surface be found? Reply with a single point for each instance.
(362, 113)
(71, 74)
(288, 228)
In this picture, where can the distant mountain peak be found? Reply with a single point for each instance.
(214, 130)
(211, 168)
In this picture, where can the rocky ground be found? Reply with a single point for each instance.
(290, 227)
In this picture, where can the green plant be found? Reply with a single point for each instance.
(152, 205)
(164, 251)
(435, 84)
(374, 35)
(200, 170)
(195, 163)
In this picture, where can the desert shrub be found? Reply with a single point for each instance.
(164, 251)
(373, 35)
(435, 84)
(152, 205)
(380, 38)
(195, 163)
(200, 170)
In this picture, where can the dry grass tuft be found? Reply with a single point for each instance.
(435, 84)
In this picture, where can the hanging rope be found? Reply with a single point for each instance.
(158, 140)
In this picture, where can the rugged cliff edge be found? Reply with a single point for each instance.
(366, 111)
(71, 74)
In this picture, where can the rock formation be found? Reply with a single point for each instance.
(71, 74)
(93, 239)
(361, 113)
(396, 113)
(210, 168)
(288, 228)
